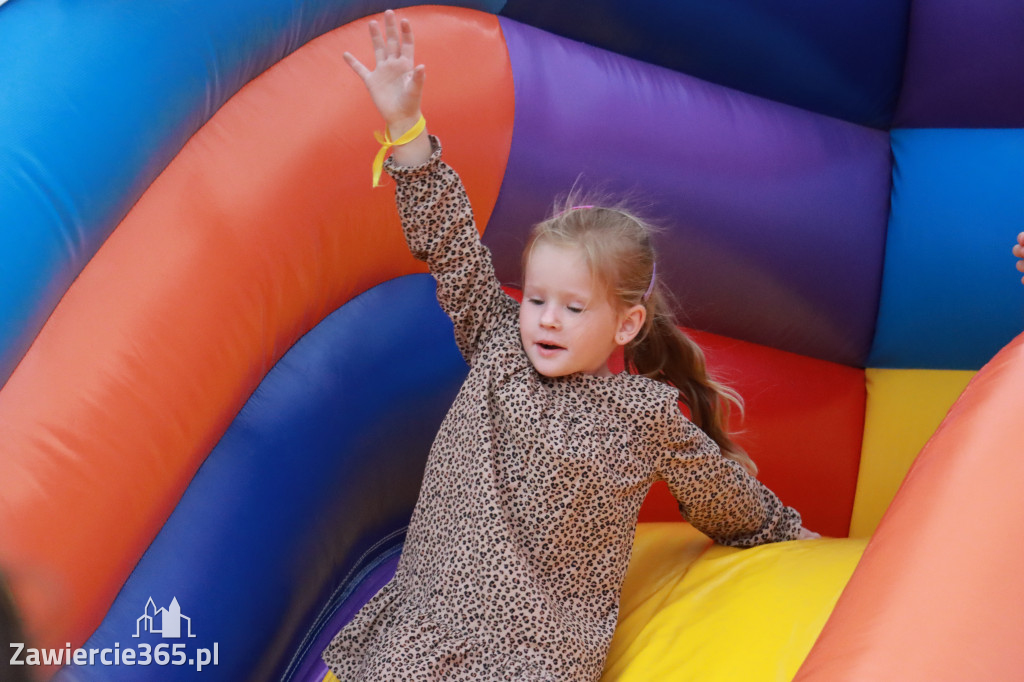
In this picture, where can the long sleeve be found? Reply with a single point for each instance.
(439, 228)
(716, 494)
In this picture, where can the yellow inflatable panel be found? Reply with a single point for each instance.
(692, 610)
(904, 408)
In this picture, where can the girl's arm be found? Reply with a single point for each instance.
(436, 214)
(717, 495)
(439, 228)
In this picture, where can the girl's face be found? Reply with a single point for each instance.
(567, 321)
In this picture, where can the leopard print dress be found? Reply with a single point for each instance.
(518, 544)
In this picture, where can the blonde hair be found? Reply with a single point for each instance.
(617, 246)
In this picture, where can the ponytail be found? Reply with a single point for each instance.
(666, 354)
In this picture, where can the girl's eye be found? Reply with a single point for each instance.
(575, 309)
(535, 301)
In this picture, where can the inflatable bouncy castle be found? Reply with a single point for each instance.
(222, 371)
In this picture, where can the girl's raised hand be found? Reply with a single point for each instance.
(396, 83)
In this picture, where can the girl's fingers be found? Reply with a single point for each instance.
(377, 41)
(806, 534)
(391, 34)
(418, 75)
(407, 40)
(356, 65)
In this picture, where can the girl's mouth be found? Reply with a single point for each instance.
(548, 350)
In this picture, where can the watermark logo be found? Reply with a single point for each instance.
(169, 623)
(169, 620)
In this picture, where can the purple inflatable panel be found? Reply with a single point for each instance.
(776, 216)
(965, 65)
(311, 667)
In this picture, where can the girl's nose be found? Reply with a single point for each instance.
(548, 317)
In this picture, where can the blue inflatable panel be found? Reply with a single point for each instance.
(951, 297)
(843, 58)
(313, 483)
(96, 99)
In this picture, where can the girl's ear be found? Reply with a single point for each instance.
(630, 324)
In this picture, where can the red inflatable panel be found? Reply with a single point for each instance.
(803, 425)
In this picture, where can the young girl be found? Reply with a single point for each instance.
(519, 542)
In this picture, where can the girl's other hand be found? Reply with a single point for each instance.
(808, 534)
(1018, 251)
(396, 83)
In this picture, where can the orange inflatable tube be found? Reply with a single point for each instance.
(193, 280)
(948, 545)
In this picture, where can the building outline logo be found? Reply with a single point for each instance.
(169, 621)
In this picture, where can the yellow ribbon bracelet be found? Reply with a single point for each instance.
(387, 143)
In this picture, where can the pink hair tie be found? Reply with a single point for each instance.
(572, 208)
(650, 287)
